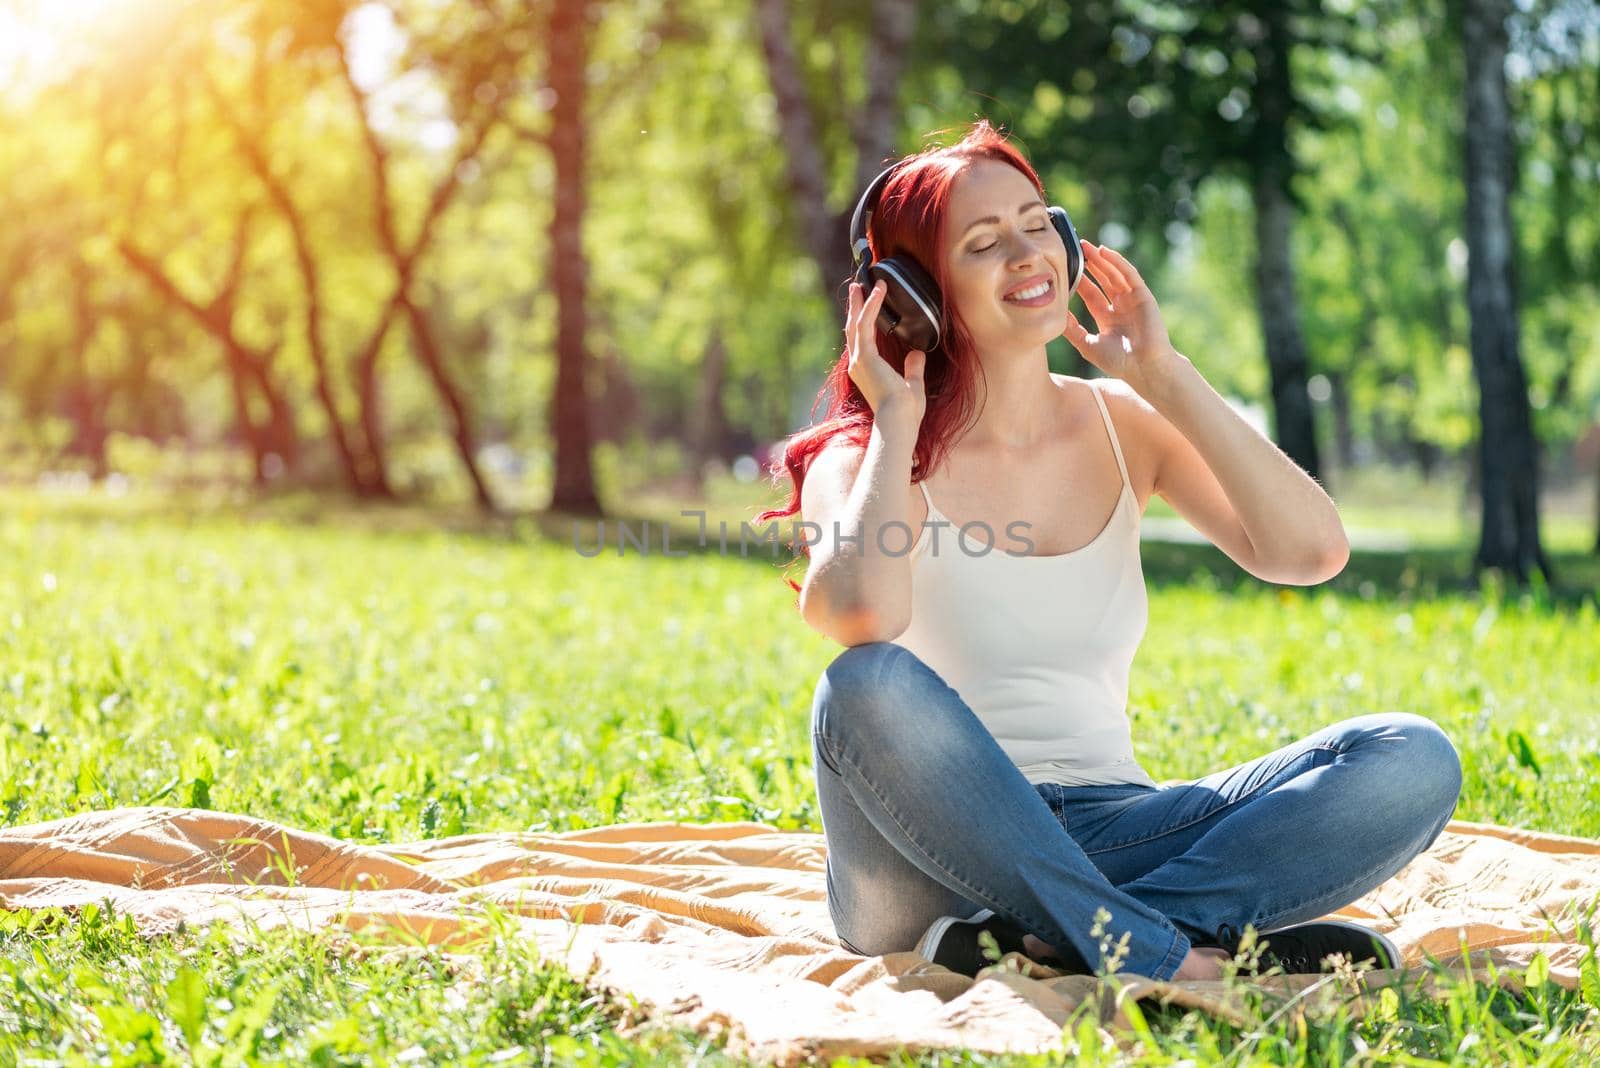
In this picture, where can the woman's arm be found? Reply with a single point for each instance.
(854, 590)
(1232, 483)
(1236, 486)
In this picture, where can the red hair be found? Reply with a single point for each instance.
(909, 219)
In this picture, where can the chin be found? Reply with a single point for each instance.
(1048, 331)
(1036, 334)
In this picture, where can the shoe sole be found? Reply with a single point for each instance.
(936, 931)
(1388, 947)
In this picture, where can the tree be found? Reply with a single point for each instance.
(873, 127)
(1142, 103)
(567, 41)
(1509, 456)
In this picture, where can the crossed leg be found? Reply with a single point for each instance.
(926, 816)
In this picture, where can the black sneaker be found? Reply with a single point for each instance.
(952, 942)
(1301, 949)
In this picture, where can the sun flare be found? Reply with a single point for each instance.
(41, 40)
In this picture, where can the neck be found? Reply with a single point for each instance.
(1015, 400)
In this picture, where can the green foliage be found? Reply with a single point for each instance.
(1135, 113)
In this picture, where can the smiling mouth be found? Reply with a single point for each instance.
(1034, 293)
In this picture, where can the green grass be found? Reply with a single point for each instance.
(381, 677)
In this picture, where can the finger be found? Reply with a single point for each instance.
(869, 313)
(1129, 272)
(1078, 335)
(1096, 301)
(879, 290)
(860, 299)
(1103, 270)
(1110, 278)
(916, 363)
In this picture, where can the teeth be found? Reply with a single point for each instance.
(1028, 294)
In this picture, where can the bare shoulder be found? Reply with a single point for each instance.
(1141, 429)
(1118, 393)
(1122, 400)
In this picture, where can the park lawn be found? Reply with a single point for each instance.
(385, 680)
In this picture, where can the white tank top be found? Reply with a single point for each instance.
(1038, 646)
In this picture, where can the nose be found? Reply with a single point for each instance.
(1025, 253)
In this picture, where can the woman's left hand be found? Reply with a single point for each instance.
(1132, 342)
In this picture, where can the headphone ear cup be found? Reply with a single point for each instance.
(912, 306)
(1069, 237)
(863, 277)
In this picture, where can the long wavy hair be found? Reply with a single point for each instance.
(909, 219)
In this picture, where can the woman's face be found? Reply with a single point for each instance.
(999, 241)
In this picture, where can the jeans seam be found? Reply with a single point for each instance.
(1339, 891)
(983, 894)
(822, 750)
(1199, 819)
(845, 943)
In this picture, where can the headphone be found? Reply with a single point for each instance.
(912, 308)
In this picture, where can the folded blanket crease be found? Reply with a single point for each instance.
(724, 927)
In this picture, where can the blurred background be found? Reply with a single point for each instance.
(587, 258)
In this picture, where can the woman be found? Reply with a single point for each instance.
(973, 757)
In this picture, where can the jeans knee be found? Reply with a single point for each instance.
(854, 680)
(1429, 760)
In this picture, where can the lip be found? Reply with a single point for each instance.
(1035, 280)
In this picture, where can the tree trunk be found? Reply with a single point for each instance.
(894, 23)
(1360, 284)
(250, 138)
(568, 41)
(283, 441)
(825, 234)
(1279, 310)
(1344, 435)
(708, 423)
(432, 358)
(245, 366)
(257, 438)
(404, 261)
(1280, 322)
(1509, 456)
(85, 404)
(316, 345)
(369, 405)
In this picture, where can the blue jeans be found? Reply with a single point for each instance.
(925, 816)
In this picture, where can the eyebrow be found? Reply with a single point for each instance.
(996, 218)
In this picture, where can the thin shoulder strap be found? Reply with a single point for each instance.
(1116, 446)
(922, 484)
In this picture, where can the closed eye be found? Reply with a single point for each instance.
(1035, 230)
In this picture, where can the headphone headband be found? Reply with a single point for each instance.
(859, 246)
(913, 308)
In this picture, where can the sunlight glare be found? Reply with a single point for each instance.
(44, 40)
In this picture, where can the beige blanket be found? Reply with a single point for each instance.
(724, 927)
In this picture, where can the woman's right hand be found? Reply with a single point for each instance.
(897, 401)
